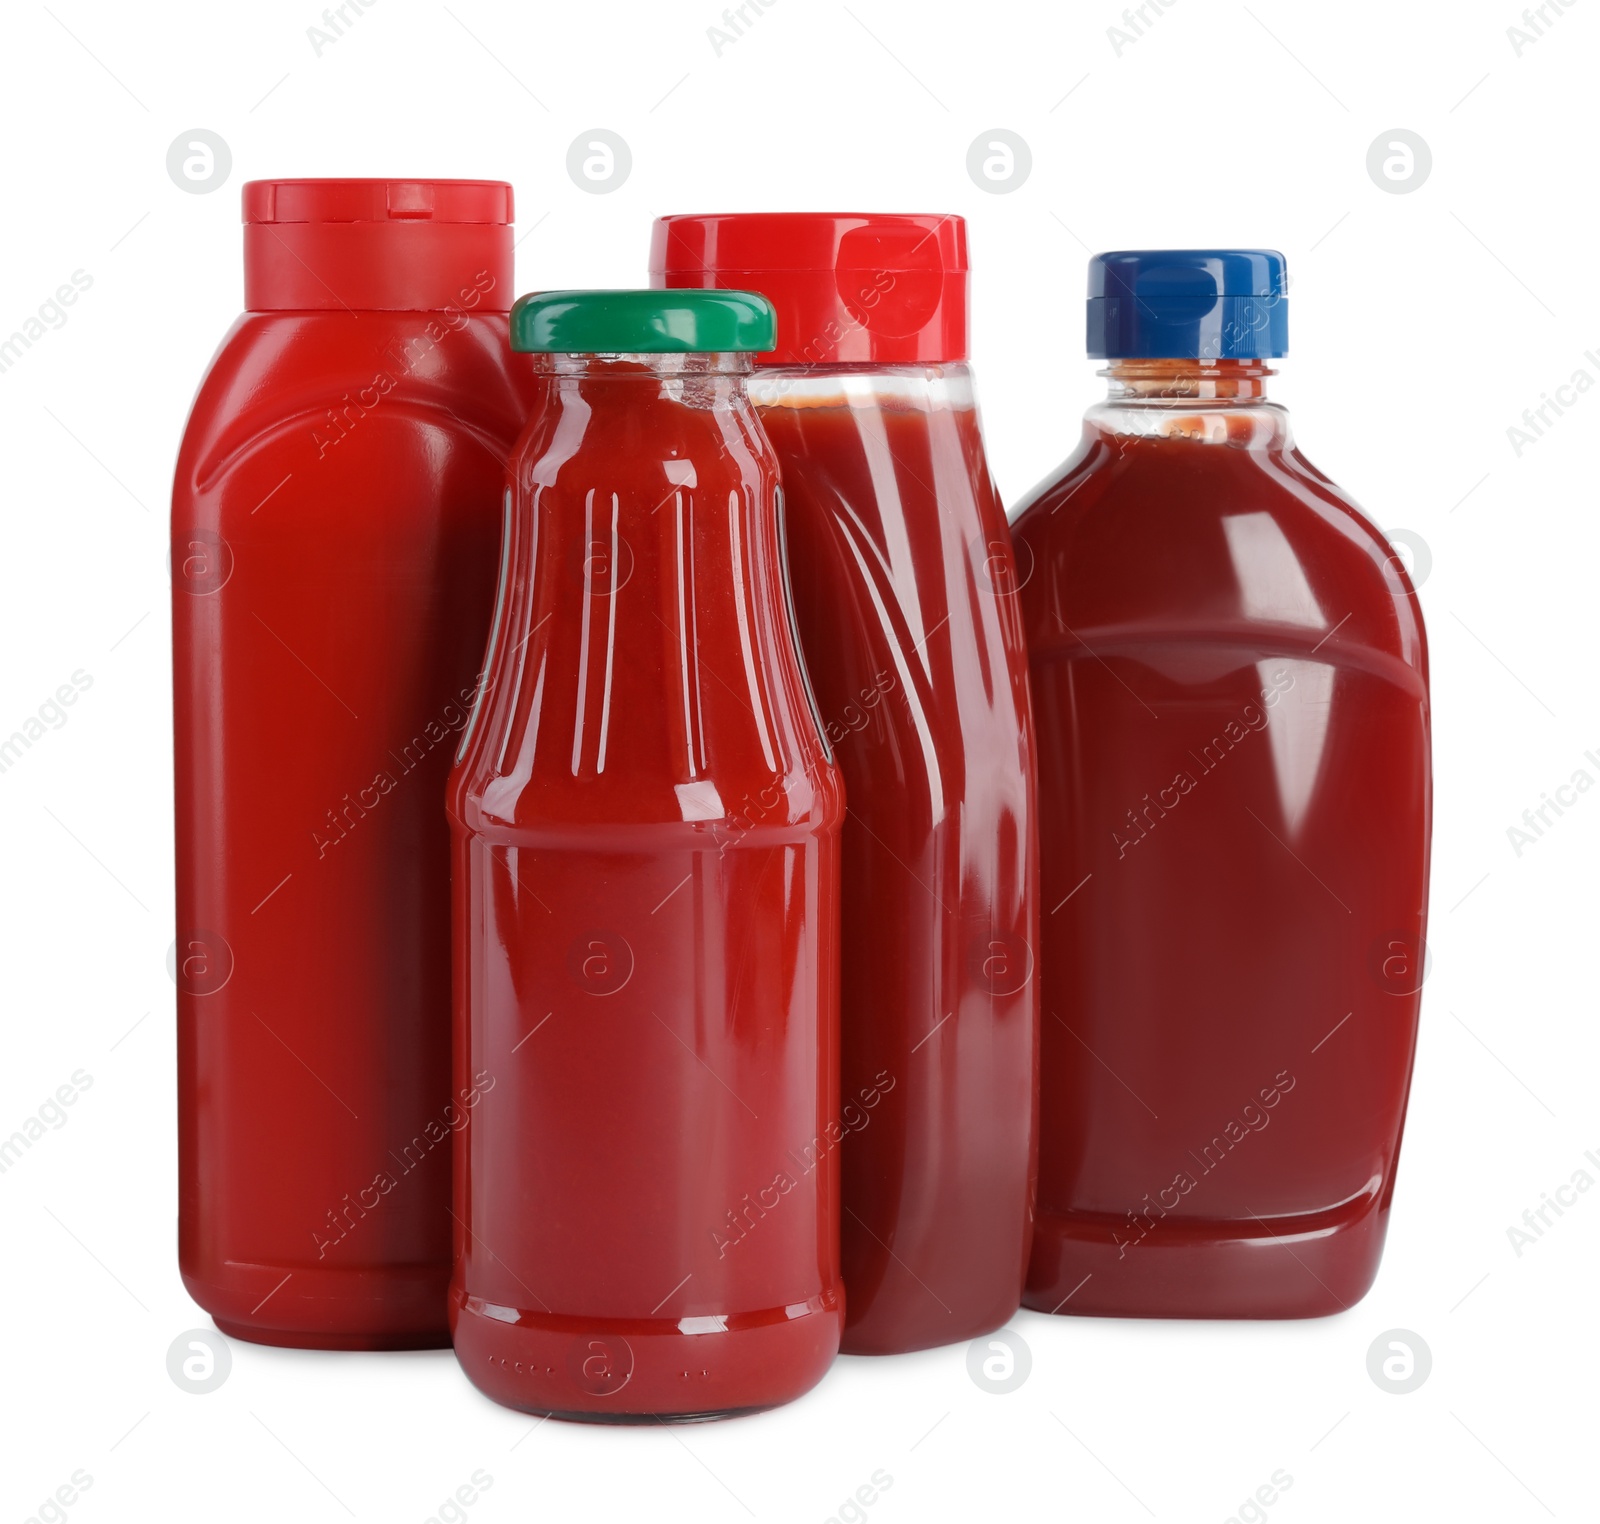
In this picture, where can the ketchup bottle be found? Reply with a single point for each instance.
(646, 878)
(905, 596)
(335, 517)
(1230, 678)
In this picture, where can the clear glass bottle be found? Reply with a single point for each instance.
(646, 877)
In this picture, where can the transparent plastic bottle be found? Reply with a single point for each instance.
(1230, 680)
(906, 599)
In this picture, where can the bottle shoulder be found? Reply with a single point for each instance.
(904, 581)
(642, 678)
(607, 734)
(299, 386)
(1191, 539)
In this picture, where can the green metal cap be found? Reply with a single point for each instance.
(642, 322)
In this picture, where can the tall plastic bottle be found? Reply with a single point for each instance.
(906, 598)
(335, 521)
(1231, 683)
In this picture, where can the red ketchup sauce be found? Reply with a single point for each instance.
(905, 596)
(335, 515)
(1230, 682)
(646, 888)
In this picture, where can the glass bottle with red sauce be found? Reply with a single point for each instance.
(1230, 681)
(335, 518)
(646, 826)
(905, 596)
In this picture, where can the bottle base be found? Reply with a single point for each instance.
(1308, 1266)
(323, 1338)
(634, 1420)
(873, 1337)
(645, 1370)
(292, 1307)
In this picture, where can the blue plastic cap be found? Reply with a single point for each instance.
(1188, 304)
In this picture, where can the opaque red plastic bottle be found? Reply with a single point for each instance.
(335, 518)
(905, 596)
(646, 895)
(1231, 685)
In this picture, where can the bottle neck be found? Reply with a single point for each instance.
(624, 367)
(1190, 401)
(1222, 382)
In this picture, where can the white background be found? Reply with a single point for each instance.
(1423, 324)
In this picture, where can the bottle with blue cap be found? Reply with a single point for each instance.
(1230, 679)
